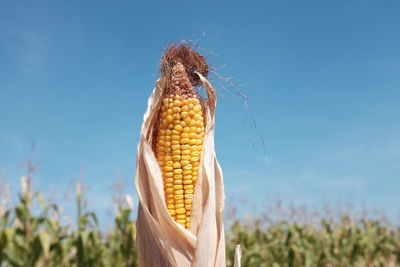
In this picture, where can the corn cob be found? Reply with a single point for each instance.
(179, 142)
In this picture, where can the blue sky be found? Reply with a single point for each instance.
(322, 77)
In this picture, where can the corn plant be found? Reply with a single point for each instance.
(31, 234)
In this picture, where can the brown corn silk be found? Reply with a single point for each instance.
(161, 240)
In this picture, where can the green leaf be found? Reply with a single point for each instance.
(45, 242)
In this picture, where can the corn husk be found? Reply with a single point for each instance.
(160, 240)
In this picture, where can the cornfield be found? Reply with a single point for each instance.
(39, 238)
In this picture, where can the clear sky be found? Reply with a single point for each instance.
(322, 77)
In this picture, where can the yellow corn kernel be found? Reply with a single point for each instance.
(180, 211)
(178, 127)
(195, 163)
(181, 217)
(186, 157)
(187, 167)
(195, 159)
(185, 162)
(178, 197)
(192, 123)
(168, 168)
(176, 152)
(176, 165)
(193, 141)
(178, 176)
(178, 171)
(180, 205)
(168, 180)
(185, 140)
(187, 172)
(186, 152)
(176, 157)
(197, 108)
(177, 187)
(172, 212)
(169, 190)
(169, 118)
(177, 103)
(195, 153)
(176, 147)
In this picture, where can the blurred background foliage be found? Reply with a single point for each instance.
(39, 238)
